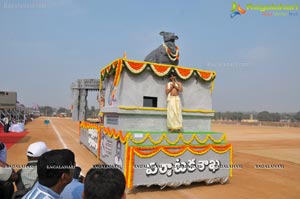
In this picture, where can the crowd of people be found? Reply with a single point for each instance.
(53, 174)
(9, 120)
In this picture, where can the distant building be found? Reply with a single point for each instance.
(285, 120)
(251, 120)
(8, 100)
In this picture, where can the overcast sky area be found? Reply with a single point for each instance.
(46, 45)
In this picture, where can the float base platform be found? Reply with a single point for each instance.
(161, 158)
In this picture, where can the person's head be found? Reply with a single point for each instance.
(36, 149)
(70, 157)
(104, 183)
(172, 76)
(56, 168)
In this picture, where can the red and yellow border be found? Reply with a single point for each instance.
(173, 151)
(160, 70)
(150, 151)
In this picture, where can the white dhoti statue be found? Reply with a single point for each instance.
(174, 115)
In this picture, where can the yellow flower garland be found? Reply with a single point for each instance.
(163, 109)
(105, 70)
(118, 73)
(180, 137)
(213, 73)
(135, 71)
(141, 108)
(87, 125)
(116, 135)
(181, 149)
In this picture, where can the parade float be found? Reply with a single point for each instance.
(134, 136)
(133, 133)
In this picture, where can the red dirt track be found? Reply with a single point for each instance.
(252, 147)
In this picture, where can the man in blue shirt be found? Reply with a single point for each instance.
(55, 170)
(75, 188)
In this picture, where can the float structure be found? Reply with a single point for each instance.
(134, 135)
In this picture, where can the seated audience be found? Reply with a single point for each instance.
(55, 170)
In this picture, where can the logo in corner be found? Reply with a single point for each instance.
(236, 10)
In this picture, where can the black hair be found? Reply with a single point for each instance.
(52, 164)
(2, 145)
(77, 172)
(70, 156)
(172, 73)
(104, 183)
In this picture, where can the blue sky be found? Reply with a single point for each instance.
(46, 45)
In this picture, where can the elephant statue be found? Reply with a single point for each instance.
(166, 53)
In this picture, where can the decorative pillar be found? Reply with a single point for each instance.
(82, 104)
(75, 111)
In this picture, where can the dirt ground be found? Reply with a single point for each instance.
(254, 148)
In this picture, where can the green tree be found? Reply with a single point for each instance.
(218, 116)
(245, 116)
(264, 116)
(275, 117)
(237, 116)
(46, 110)
(297, 116)
(91, 112)
(61, 110)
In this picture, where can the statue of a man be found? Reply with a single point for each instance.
(174, 112)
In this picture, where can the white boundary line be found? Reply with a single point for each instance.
(58, 134)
